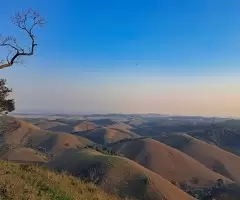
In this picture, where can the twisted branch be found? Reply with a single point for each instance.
(27, 21)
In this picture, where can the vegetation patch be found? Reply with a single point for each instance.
(33, 182)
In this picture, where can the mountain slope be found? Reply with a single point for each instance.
(67, 126)
(117, 175)
(211, 156)
(106, 135)
(225, 135)
(17, 134)
(103, 122)
(29, 182)
(84, 126)
(26, 155)
(167, 162)
(121, 126)
(49, 124)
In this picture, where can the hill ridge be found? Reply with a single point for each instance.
(166, 161)
(211, 156)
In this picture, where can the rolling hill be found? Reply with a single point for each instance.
(121, 126)
(26, 155)
(85, 126)
(146, 173)
(117, 175)
(16, 135)
(167, 162)
(225, 135)
(106, 136)
(104, 122)
(49, 124)
(211, 156)
(67, 126)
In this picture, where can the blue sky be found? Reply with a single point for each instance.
(92, 48)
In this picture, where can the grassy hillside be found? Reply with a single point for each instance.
(17, 134)
(30, 182)
(85, 126)
(46, 125)
(211, 156)
(121, 126)
(67, 128)
(26, 155)
(103, 122)
(117, 175)
(106, 135)
(70, 126)
(167, 162)
(226, 136)
(185, 161)
(74, 126)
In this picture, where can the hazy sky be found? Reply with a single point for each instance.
(188, 56)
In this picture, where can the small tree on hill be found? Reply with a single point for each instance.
(6, 105)
(220, 183)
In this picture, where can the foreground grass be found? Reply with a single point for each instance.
(27, 182)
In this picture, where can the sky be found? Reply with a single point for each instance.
(155, 56)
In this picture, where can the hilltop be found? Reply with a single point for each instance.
(85, 126)
(48, 125)
(121, 126)
(106, 135)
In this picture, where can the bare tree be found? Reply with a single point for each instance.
(27, 21)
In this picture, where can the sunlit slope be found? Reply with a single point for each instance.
(17, 136)
(106, 135)
(225, 135)
(85, 126)
(121, 126)
(167, 162)
(46, 125)
(117, 175)
(30, 182)
(210, 155)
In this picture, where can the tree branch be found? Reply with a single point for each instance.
(27, 21)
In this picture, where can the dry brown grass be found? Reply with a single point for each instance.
(121, 126)
(26, 135)
(167, 162)
(26, 155)
(24, 182)
(211, 156)
(105, 135)
(49, 124)
(7, 125)
(117, 175)
(84, 126)
(56, 143)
